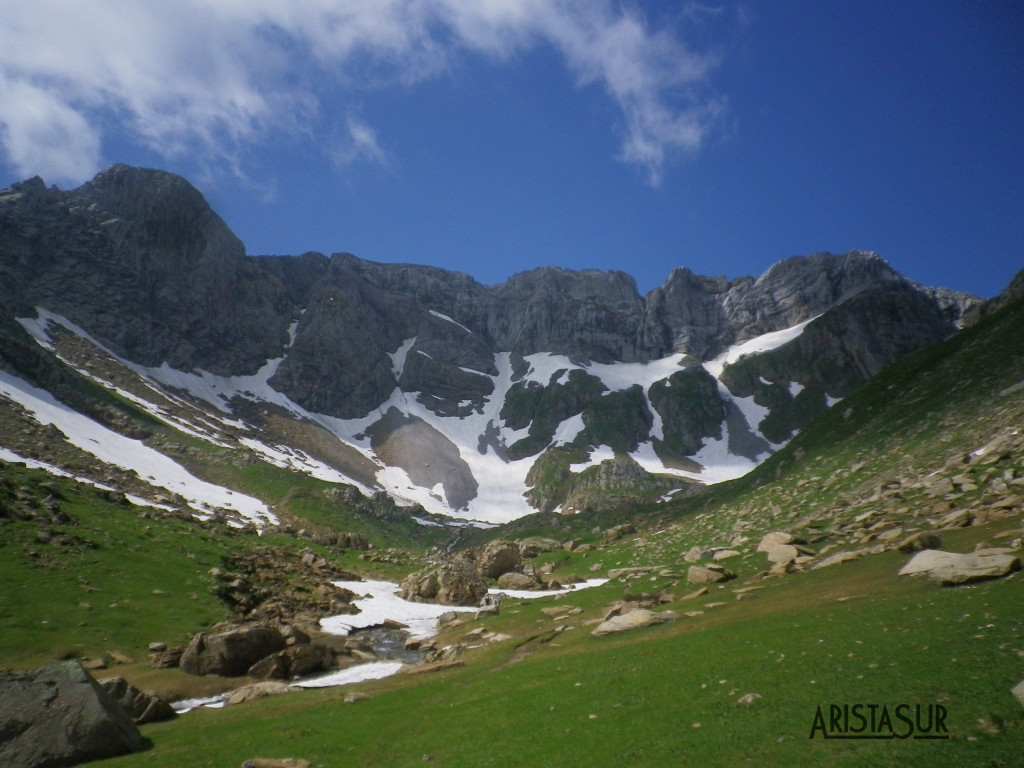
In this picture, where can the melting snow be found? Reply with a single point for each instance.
(373, 670)
(150, 465)
(453, 322)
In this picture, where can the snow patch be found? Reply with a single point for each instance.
(453, 322)
(110, 447)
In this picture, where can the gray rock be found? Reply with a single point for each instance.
(775, 539)
(288, 762)
(258, 691)
(516, 581)
(142, 706)
(231, 652)
(454, 582)
(1018, 692)
(916, 542)
(781, 553)
(535, 545)
(625, 622)
(708, 574)
(950, 568)
(60, 716)
(499, 557)
(838, 558)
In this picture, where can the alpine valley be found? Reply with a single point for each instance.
(691, 527)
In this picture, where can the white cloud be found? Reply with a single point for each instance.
(359, 143)
(209, 76)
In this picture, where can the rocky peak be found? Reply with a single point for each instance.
(139, 258)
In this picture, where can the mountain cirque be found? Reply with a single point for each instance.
(554, 391)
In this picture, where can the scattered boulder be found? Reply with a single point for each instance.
(617, 532)
(499, 557)
(774, 539)
(513, 580)
(60, 716)
(708, 574)
(958, 518)
(490, 605)
(142, 706)
(639, 570)
(747, 699)
(1018, 692)
(916, 542)
(624, 622)
(231, 652)
(950, 568)
(839, 557)
(618, 608)
(294, 661)
(258, 691)
(168, 658)
(781, 553)
(693, 555)
(288, 762)
(455, 582)
(534, 545)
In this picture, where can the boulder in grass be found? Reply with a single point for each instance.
(142, 706)
(513, 580)
(231, 652)
(951, 568)
(60, 716)
(626, 621)
(708, 574)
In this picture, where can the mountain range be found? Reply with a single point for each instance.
(135, 331)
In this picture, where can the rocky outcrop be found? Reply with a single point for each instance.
(455, 582)
(295, 661)
(230, 652)
(951, 568)
(142, 706)
(499, 557)
(624, 622)
(712, 573)
(138, 258)
(59, 716)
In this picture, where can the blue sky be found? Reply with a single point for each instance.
(495, 136)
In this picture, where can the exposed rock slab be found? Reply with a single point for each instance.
(60, 716)
(232, 652)
(625, 622)
(142, 706)
(708, 574)
(951, 568)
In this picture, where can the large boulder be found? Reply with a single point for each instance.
(142, 706)
(59, 716)
(919, 541)
(455, 582)
(950, 568)
(708, 574)
(635, 619)
(231, 652)
(776, 539)
(294, 661)
(499, 557)
(534, 545)
(516, 581)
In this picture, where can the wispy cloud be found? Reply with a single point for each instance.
(208, 77)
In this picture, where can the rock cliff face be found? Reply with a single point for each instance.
(140, 260)
(463, 396)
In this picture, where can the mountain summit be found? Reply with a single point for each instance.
(557, 390)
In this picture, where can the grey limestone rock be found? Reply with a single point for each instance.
(59, 716)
